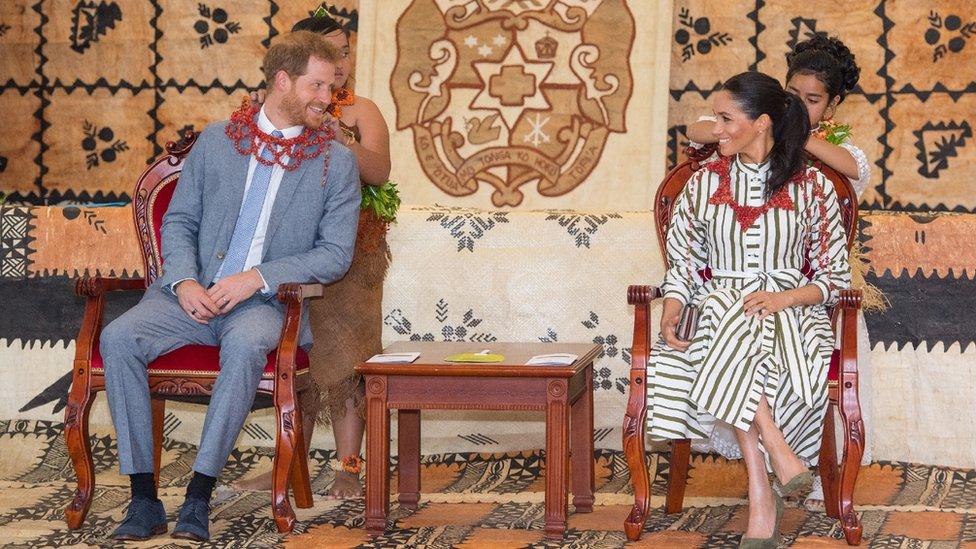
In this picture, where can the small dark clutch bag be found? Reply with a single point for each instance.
(687, 323)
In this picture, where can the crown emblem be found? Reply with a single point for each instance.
(545, 48)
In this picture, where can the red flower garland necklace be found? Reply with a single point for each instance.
(746, 215)
(248, 139)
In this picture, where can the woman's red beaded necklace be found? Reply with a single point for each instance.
(746, 215)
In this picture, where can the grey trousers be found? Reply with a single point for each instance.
(156, 326)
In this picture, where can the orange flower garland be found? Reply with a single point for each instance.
(341, 97)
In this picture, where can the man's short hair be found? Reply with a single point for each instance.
(291, 51)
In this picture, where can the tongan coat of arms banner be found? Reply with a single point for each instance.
(519, 95)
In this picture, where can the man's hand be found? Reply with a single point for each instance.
(764, 304)
(227, 292)
(195, 301)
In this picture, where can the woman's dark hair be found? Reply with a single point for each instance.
(322, 24)
(829, 60)
(758, 94)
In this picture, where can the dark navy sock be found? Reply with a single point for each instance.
(201, 486)
(143, 485)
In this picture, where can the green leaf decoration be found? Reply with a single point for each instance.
(835, 133)
(383, 200)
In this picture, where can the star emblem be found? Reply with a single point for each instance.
(512, 85)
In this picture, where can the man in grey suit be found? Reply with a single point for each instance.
(261, 201)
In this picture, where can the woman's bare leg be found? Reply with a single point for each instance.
(786, 464)
(762, 506)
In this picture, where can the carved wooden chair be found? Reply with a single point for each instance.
(188, 373)
(838, 480)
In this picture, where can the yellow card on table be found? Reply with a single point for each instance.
(475, 357)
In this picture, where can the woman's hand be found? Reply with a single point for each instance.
(340, 135)
(669, 324)
(257, 98)
(764, 304)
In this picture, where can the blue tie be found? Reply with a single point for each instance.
(247, 221)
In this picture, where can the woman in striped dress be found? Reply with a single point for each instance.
(743, 230)
(822, 71)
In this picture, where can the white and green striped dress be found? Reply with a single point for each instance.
(734, 359)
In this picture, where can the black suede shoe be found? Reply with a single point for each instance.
(144, 519)
(194, 521)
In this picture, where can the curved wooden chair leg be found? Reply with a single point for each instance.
(284, 515)
(635, 416)
(286, 444)
(640, 479)
(677, 475)
(79, 449)
(158, 415)
(828, 464)
(301, 484)
(850, 411)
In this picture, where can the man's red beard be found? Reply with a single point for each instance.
(300, 113)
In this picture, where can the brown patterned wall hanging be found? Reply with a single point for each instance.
(91, 90)
(915, 106)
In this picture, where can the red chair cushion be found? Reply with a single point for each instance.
(200, 361)
(833, 372)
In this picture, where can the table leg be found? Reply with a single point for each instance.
(557, 458)
(377, 455)
(582, 446)
(408, 460)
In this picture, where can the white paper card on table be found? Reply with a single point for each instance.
(394, 358)
(554, 359)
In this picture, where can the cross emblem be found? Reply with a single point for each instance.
(512, 85)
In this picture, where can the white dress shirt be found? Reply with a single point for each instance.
(277, 172)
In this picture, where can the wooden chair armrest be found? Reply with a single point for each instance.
(850, 299)
(293, 295)
(641, 297)
(93, 286)
(288, 414)
(293, 292)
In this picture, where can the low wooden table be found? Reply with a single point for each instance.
(564, 393)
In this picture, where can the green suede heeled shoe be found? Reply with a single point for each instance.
(771, 542)
(798, 484)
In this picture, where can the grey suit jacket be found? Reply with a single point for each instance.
(311, 233)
